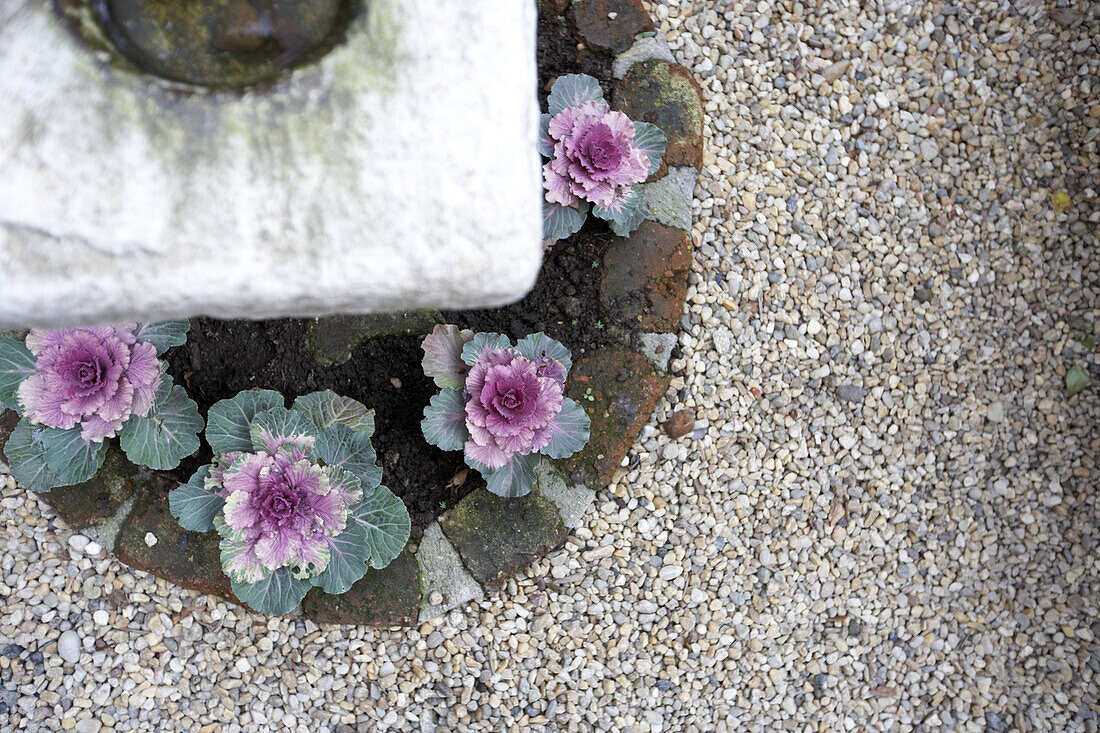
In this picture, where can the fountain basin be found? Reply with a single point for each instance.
(397, 171)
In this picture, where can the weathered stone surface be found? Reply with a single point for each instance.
(666, 95)
(611, 25)
(498, 537)
(572, 500)
(97, 499)
(123, 200)
(645, 277)
(618, 389)
(657, 348)
(644, 49)
(668, 199)
(444, 581)
(386, 597)
(333, 338)
(8, 420)
(188, 559)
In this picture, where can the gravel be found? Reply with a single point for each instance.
(887, 517)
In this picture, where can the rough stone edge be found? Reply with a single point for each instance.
(657, 348)
(106, 532)
(668, 200)
(442, 571)
(645, 48)
(571, 500)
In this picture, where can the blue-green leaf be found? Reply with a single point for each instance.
(621, 211)
(443, 355)
(167, 434)
(16, 364)
(514, 478)
(72, 458)
(481, 342)
(573, 90)
(627, 226)
(228, 421)
(326, 407)
(386, 521)
(272, 429)
(164, 334)
(546, 143)
(347, 563)
(27, 457)
(651, 140)
(444, 423)
(570, 430)
(193, 504)
(538, 345)
(338, 445)
(276, 595)
(559, 222)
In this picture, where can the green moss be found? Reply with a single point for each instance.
(287, 126)
(498, 537)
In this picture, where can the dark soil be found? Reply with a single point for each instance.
(222, 358)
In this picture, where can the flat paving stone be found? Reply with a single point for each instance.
(619, 389)
(188, 559)
(444, 581)
(498, 537)
(332, 339)
(665, 94)
(386, 597)
(645, 277)
(611, 25)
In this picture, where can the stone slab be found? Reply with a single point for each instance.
(332, 339)
(644, 49)
(398, 172)
(572, 500)
(668, 199)
(101, 497)
(657, 348)
(444, 581)
(618, 389)
(667, 95)
(644, 280)
(151, 539)
(498, 537)
(611, 25)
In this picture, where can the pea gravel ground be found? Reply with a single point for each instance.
(886, 519)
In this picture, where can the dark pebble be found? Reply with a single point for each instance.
(12, 651)
(780, 82)
(820, 680)
(664, 685)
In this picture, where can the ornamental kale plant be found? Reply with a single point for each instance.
(76, 387)
(502, 405)
(295, 495)
(598, 159)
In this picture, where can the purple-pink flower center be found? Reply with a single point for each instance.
(281, 499)
(601, 150)
(84, 372)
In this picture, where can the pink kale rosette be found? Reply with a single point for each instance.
(598, 160)
(502, 405)
(296, 496)
(76, 388)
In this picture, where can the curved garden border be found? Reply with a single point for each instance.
(478, 544)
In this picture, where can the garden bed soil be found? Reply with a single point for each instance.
(223, 357)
